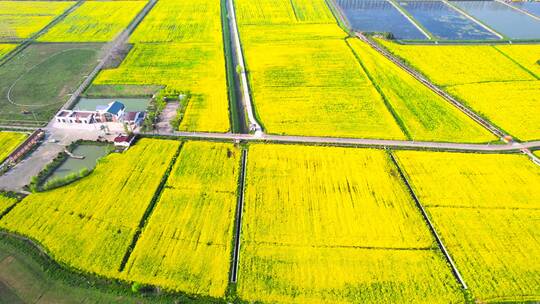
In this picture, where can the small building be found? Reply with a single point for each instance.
(80, 117)
(134, 118)
(124, 141)
(113, 112)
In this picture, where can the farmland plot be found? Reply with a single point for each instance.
(423, 113)
(9, 141)
(94, 22)
(486, 78)
(89, 224)
(6, 202)
(179, 45)
(21, 19)
(186, 245)
(527, 56)
(486, 209)
(301, 241)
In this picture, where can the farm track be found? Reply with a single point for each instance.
(356, 142)
(33, 38)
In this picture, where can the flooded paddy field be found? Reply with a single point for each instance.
(503, 18)
(132, 104)
(379, 16)
(530, 7)
(445, 22)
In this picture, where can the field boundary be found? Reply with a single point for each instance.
(238, 218)
(438, 239)
(149, 210)
(35, 36)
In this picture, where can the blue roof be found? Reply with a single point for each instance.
(115, 107)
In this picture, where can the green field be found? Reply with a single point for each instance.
(90, 224)
(21, 19)
(335, 225)
(486, 209)
(186, 245)
(39, 80)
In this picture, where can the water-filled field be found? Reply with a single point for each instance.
(132, 104)
(445, 22)
(530, 7)
(379, 16)
(502, 18)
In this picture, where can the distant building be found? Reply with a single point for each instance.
(113, 112)
(79, 117)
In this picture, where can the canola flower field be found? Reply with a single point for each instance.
(486, 209)
(89, 224)
(8, 142)
(94, 22)
(501, 83)
(301, 241)
(6, 202)
(186, 245)
(20, 19)
(6, 48)
(187, 56)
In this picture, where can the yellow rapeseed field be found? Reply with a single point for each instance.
(423, 113)
(181, 21)
(486, 209)
(335, 225)
(195, 68)
(6, 202)
(6, 48)
(186, 245)
(459, 64)
(8, 142)
(94, 22)
(90, 224)
(472, 180)
(497, 82)
(304, 78)
(21, 19)
(495, 249)
(511, 105)
(526, 55)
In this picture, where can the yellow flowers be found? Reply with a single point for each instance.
(6, 202)
(6, 48)
(89, 224)
(304, 78)
(499, 82)
(186, 245)
(8, 142)
(335, 225)
(423, 114)
(94, 22)
(19, 20)
(179, 45)
(485, 208)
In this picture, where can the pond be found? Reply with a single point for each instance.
(530, 7)
(445, 22)
(502, 18)
(91, 153)
(379, 16)
(132, 104)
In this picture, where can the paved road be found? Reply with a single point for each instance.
(357, 141)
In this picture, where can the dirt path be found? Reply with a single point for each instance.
(166, 116)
